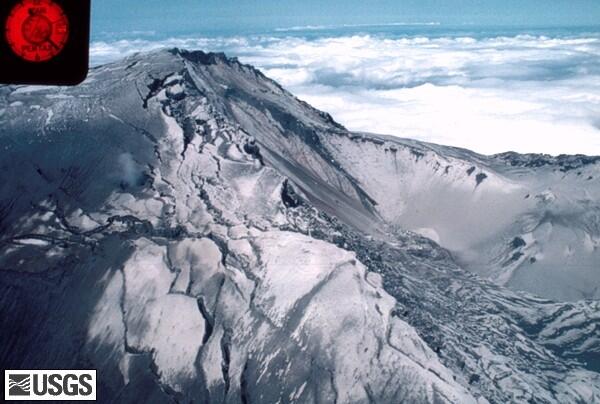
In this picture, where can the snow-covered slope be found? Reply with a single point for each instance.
(530, 222)
(197, 234)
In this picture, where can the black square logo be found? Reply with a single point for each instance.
(19, 385)
(44, 41)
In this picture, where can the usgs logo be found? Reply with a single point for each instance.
(45, 385)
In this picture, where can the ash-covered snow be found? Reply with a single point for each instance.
(197, 234)
(476, 205)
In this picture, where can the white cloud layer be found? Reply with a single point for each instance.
(523, 93)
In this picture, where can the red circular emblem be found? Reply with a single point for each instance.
(37, 30)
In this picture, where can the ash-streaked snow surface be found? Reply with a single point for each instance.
(197, 234)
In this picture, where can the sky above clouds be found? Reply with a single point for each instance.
(206, 16)
(439, 71)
